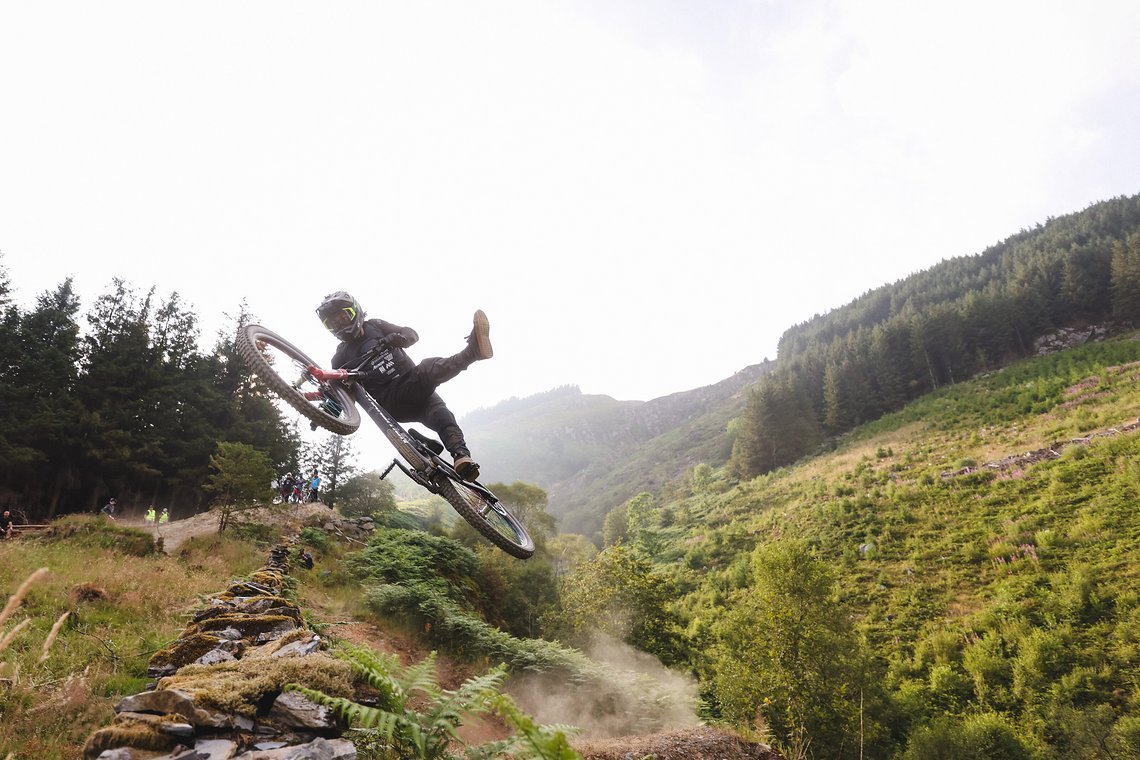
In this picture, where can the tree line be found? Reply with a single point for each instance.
(962, 317)
(124, 405)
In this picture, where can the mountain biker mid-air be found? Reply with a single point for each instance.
(404, 388)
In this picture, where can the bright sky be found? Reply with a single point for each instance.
(642, 195)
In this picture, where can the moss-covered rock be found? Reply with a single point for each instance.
(183, 651)
(246, 686)
(254, 628)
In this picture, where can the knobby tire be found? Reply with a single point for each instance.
(498, 525)
(248, 339)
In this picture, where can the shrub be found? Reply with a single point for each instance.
(985, 736)
(416, 559)
(989, 735)
(941, 739)
(316, 538)
(254, 533)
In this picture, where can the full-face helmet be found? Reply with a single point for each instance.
(341, 315)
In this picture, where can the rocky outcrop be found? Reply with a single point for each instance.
(220, 689)
(1018, 462)
(356, 529)
(1071, 337)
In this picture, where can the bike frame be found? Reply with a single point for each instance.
(425, 466)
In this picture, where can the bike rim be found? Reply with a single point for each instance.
(493, 515)
(284, 368)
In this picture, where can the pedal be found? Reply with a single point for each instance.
(435, 446)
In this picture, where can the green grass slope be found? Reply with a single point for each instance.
(985, 544)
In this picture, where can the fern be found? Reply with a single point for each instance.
(395, 729)
(531, 741)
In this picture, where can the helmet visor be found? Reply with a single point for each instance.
(340, 319)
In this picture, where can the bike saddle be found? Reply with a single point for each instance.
(432, 444)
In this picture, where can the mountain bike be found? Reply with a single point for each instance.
(329, 398)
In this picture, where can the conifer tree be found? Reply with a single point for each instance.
(337, 459)
(1126, 279)
(48, 350)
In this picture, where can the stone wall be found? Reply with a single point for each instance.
(219, 693)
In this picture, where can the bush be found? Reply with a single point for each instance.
(416, 559)
(414, 717)
(316, 538)
(104, 534)
(254, 533)
(985, 736)
(989, 736)
(1127, 733)
(941, 739)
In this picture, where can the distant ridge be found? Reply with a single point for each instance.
(593, 452)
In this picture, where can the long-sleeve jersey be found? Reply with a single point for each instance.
(390, 363)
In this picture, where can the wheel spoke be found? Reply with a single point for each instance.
(269, 355)
(488, 516)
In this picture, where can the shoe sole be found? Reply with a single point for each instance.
(483, 335)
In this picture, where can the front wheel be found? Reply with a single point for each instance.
(270, 356)
(488, 515)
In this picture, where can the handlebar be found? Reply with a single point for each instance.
(325, 375)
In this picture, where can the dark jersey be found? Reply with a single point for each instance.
(388, 364)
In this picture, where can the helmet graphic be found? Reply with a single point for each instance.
(341, 315)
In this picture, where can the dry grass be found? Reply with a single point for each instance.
(93, 616)
(16, 598)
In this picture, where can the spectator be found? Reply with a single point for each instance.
(109, 508)
(314, 486)
(6, 524)
(164, 518)
(286, 486)
(306, 559)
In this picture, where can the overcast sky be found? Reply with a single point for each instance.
(641, 195)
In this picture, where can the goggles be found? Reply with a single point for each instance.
(340, 319)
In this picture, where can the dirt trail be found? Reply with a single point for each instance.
(177, 532)
(702, 743)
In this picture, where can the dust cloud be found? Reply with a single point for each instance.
(635, 694)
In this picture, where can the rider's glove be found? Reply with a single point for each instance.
(397, 340)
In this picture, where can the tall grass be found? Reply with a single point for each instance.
(95, 603)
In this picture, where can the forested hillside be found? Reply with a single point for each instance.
(956, 580)
(962, 317)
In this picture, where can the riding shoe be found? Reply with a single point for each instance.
(467, 467)
(479, 341)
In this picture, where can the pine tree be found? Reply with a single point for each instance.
(337, 464)
(41, 408)
(1125, 286)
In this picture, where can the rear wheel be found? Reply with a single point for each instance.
(488, 515)
(274, 359)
